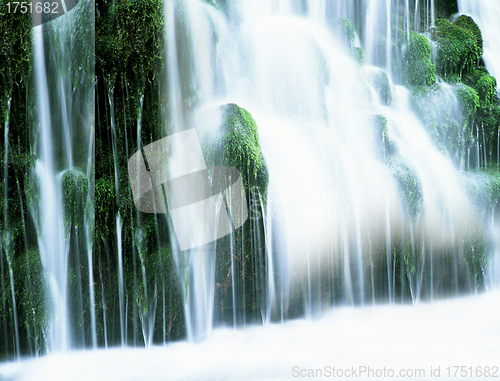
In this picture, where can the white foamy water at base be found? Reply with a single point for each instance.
(458, 332)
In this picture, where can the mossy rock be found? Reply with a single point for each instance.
(466, 22)
(15, 54)
(488, 120)
(487, 89)
(238, 147)
(75, 187)
(380, 124)
(15, 46)
(469, 101)
(380, 82)
(438, 109)
(483, 187)
(472, 78)
(129, 37)
(32, 301)
(409, 186)
(419, 69)
(345, 31)
(458, 49)
(358, 54)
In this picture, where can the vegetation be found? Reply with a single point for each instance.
(346, 33)
(409, 186)
(131, 112)
(380, 82)
(418, 68)
(238, 146)
(458, 48)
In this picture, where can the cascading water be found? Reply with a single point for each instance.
(63, 148)
(364, 201)
(486, 14)
(50, 215)
(331, 200)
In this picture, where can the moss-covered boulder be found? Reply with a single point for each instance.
(75, 188)
(409, 185)
(487, 89)
(238, 146)
(345, 31)
(472, 78)
(380, 82)
(487, 118)
(466, 22)
(418, 69)
(446, 120)
(469, 103)
(459, 46)
(358, 54)
(381, 132)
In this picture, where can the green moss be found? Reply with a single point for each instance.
(487, 117)
(487, 89)
(409, 185)
(238, 147)
(381, 125)
(446, 8)
(418, 69)
(458, 50)
(75, 187)
(488, 120)
(483, 187)
(382, 135)
(472, 78)
(448, 122)
(358, 54)
(468, 23)
(380, 82)
(345, 31)
(128, 37)
(15, 51)
(469, 102)
(32, 302)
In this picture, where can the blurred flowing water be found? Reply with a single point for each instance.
(63, 139)
(355, 213)
(441, 334)
(333, 208)
(486, 14)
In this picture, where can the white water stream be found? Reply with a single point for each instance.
(333, 208)
(459, 332)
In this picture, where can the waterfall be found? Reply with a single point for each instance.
(486, 13)
(337, 201)
(49, 215)
(62, 125)
(373, 188)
